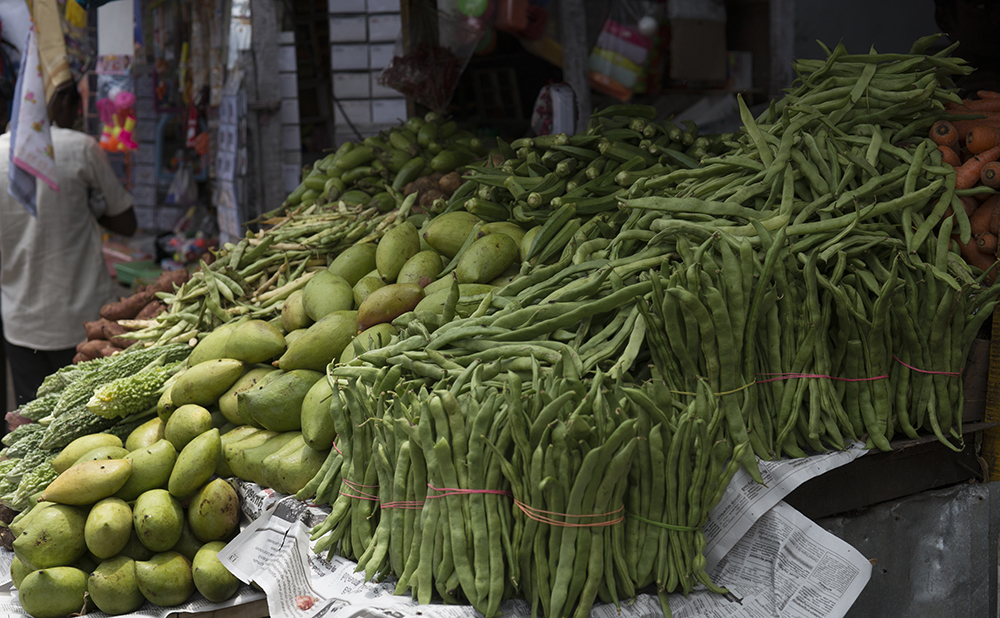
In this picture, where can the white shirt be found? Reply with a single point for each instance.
(52, 272)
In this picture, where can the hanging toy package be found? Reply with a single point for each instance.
(116, 104)
(623, 47)
(440, 45)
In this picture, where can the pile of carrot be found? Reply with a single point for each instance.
(970, 143)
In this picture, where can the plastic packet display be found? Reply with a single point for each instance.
(623, 48)
(428, 70)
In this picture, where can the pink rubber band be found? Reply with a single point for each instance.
(533, 513)
(356, 487)
(450, 491)
(412, 505)
(791, 376)
(950, 374)
(339, 452)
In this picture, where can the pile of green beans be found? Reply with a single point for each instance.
(483, 487)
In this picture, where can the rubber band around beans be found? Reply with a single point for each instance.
(950, 374)
(532, 513)
(451, 491)
(661, 524)
(792, 376)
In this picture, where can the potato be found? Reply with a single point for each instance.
(427, 197)
(126, 308)
(108, 351)
(450, 183)
(113, 332)
(151, 310)
(95, 329)
(92, 347)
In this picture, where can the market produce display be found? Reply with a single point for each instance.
(540, 382)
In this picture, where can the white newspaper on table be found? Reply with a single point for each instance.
(773, 559)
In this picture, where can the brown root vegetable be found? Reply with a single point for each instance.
(979, 220)
(987, 243)
(80, 357)
(95, 329)
(427, 197)
(450, 183)
(92, 347)
(113, 333)
(168, 279)
(152, 309)
(108, 351)
(974, 257)
(127, 308)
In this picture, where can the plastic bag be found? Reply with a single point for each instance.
(440, 47)
(622, 49)
(183, 190)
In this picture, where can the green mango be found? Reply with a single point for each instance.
(228, 404)
(397, 246)
(235, 452)
(222, 468)
(289, 469)
(447, 233)
(204, 383)
(211, 578)
(326, 293)
(89, 481)
(354, 262)
(372, 338)
(147, 434)
(18, 571)
(195, 464)
(364, 288)
(293, 313)
(317, 426)
(186, 423)
(253, 458)
(102, 452)
(322, 342)
(486, 259)
(165, 579)
(53, 592)
(53, 538)
(189, 543)
(108, 527)
(387, 303)
(509, 228)
(214, 511)
(213, 345)
(80, 447)
(158, 519)
(113, 586)
(151, 467)
(255, 341)
(422, 268)
(277, 405)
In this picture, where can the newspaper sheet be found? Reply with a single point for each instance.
(774, 560)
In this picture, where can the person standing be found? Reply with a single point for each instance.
(52, 272)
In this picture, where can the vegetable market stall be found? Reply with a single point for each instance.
(539, 385)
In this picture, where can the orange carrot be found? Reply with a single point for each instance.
(987, 243)
(964, 126)
(967, 175)
(944, 134)
(988, 94)
(983, 105)
(990, 175)
(976, 258)
(949, 156)
(982, 138)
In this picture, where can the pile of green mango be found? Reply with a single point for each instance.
(126, 523)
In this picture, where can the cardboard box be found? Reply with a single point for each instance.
(380, 55)
(348, 57)
(351, 85)
(698, 50)
(358, 112)
(347, 6)
(383, 6)
(388, 111)
(378, 90)
(348, 29)
(384, 27)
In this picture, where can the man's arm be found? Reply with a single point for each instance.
(123, 224)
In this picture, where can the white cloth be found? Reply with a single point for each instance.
(32, 155)
(52, 272)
